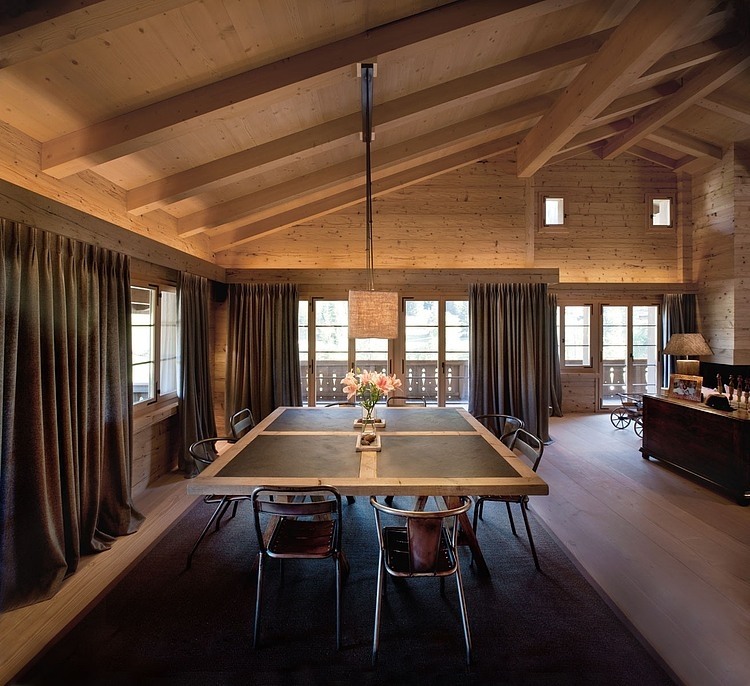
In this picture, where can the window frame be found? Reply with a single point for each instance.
(157, 399)
(561, 335)
(650, 199)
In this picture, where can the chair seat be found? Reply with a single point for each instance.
(301, 538)
(398, 560)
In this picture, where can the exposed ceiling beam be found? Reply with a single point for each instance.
(685, 144)
(163, 192)
(569, 153)
(298, 215)
(486, 82)
(691, 56)
(651, 156)
(729, 106)
(83, 19)
(130, 132)
(644, 36)
(386, 161)
(700, 84)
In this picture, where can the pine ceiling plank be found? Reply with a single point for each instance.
(692, 55)
(386, 161)
(304, 213)
(124, 134)
(708, 79)
(644, 36)
(505, 76)
(685, 143)
(727, 105)
(569, 153)
(86, 20)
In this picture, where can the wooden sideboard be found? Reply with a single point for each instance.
(707, 443)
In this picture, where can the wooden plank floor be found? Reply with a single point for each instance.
(670, 555)
(26, 632)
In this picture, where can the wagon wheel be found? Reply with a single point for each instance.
(638, 427)
(619, 418)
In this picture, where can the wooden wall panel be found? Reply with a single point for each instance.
(580, 392)
(742, 255)
(483, 217)
(713, 257)
(155, 445)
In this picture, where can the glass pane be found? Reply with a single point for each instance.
(577, 336)
(169, 338)
(661, 212)
(142, 332)
(302, 331)
(371, 354)
(644, 340)
(456, 352)
(614, 353)
(421, 343)
(553, 212)
(331, 349)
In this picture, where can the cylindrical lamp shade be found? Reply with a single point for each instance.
(373, 314)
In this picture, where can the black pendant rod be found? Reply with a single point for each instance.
(367, 74)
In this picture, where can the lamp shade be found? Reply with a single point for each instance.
(687, 344)
(373, 314)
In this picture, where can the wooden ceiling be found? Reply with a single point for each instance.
(226, 120)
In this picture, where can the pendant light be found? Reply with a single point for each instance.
(372, 314)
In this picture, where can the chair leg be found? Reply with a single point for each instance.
(510, 519)
(464, 614)
(221, 506)
(531, 538)
(337, 564)
(378, 604)
(234, 508)
(223, 509)
(477, 508)
(256, 627)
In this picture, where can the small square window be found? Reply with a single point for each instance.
(660, 212)
(554, 214)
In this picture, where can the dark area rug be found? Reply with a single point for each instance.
(163, 625)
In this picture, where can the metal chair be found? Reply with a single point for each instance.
(405, 400)
(530, 447)
(298, 529)
(204, 451)
(340, 404)
(427, 546)
(503, 426)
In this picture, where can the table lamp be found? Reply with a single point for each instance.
(687, 344)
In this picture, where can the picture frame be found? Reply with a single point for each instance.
(684, 387)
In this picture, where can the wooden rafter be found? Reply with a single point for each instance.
(645, 35)
(729, 106)
(700, 84)
(135, 130)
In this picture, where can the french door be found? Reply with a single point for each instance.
(630, 335)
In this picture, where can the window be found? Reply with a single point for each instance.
(154, 335)
(434, 347)
(553, 211)
(660, 212)
(629, 351)
(574, 335)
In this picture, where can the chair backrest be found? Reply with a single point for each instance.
(293, 502)
(204, 451)
(406, 401)
(502, 425)
(528, 445)
(425, 530)
(241, 422)
(340, 404)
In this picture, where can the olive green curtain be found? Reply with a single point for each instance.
(678, 316)
(66, 423)
(195, 389)
(512, 353)
(262, 349)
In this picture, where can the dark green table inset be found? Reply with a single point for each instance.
(430, 419)
(443, 457)
(323, 457)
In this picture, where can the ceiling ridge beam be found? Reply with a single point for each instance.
(129, 132)
(695, 87)
(643, 37)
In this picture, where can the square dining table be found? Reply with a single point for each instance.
(434, 451)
